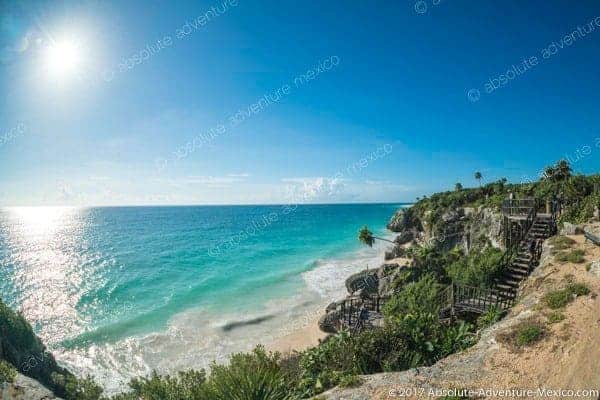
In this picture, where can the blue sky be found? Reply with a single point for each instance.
(367, 101)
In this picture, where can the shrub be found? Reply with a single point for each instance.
(560, 298)
(490, 317)
(78, 389)
(248, 376)
(20, 347)
(555, 317)
(415, 297)
(529, 334)
(561, 242)
(350, 380)
(7, 372)
(578, 289)
(574, 256)
(557, 299)
(524, 334)
(477, 269)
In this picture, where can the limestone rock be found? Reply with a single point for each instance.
(595, 268)
(404, 219)
(329, 322)
(25, 388)
(405, 237)
(366, 280)
(570, 229)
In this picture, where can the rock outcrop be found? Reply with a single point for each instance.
(463, 227)
(25, 388)
(403, 220)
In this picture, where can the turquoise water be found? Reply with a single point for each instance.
(119, 291)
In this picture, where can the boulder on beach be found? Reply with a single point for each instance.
(366, 280)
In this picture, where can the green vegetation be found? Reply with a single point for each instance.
(366, 236)
(458, 187)
(574, 256)
(490, 317)
(576, 193)
(476, 269)
(478, 177)
(555, 317)
(560, 298)
(524, 334)
(529, 333)
(561, 242)
(7, 372)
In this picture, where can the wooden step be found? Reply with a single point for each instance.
(512, 274)
(505, 288)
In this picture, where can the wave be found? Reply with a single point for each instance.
(196, 337)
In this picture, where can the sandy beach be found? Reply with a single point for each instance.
(300, 339)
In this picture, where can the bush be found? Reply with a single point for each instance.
(490, 317)
(7, 372)
(555, 317)
(350, 381)
(578, 289)
(560, 298)
(248, 376)
(529, 333)
(77, 389)
(557, 299)
(477, 269)
(524, 334)
(561, 242)
(574, 256)
(415, 297)
(251, 376)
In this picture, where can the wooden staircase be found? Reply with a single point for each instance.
(522, 255)
(522, 259)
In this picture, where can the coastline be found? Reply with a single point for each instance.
(196, 337)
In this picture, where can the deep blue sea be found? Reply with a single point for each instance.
(119, 291)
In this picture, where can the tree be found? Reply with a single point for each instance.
(366, 236)
(563, 170)
(558, 172)
(458, 187)
(478, 176)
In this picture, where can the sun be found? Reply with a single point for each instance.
(63, 58)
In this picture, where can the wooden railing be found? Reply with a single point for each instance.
(477, 299)
(518, 206)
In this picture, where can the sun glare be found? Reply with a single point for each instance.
(63, 58)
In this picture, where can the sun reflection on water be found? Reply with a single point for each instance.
(44, 265)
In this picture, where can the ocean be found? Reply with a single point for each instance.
(116, 292)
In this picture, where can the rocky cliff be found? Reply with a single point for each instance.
(463, 227)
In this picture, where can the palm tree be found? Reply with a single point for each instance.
(563, 170)
(458, 187)
(478, 176)
(549, 173)
(366, 237)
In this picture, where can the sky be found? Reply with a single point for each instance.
(260, 102)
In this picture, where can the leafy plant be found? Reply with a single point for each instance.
(560, 298)
(524, 334)
(7, 372)
(555, 317)
(529, 334)
(489, 317)
(561, 242)
(574, 256)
